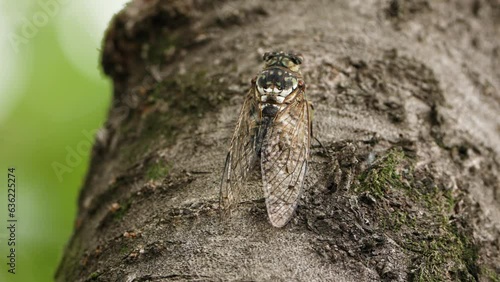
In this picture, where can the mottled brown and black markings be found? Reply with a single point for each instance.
(402, 11)
(278, 134)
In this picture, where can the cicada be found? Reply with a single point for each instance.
(273, 130)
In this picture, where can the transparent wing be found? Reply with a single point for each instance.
(241, 156)
(284, 156)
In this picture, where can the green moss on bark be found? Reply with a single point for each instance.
(491, 274)
(418, 213)
(158, 171)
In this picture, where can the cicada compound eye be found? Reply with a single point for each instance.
(297, 58)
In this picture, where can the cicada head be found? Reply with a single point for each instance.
(287, 60)
(280, 78)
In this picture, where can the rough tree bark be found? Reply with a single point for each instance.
(405, 187)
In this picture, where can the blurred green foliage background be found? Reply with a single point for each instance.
(52, 91)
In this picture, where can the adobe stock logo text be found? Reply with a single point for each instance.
(30, 26)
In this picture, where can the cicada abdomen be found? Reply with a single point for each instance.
(274, 127)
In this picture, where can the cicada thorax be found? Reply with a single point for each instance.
(276, 85)
(275, 88)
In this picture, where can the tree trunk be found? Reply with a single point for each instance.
(405, 185)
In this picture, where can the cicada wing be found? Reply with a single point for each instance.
(284, 157)
(241, 156)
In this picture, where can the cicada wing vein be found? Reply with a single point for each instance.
(241, 156)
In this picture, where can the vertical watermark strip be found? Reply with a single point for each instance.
(11, 219)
